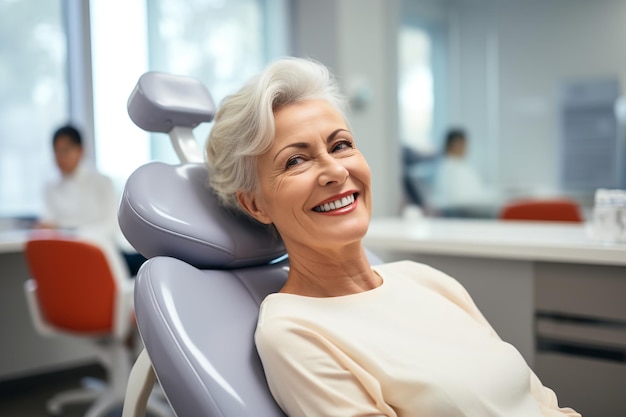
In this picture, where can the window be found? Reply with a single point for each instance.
(65, 60)
(421, 86)
(421, 104)
(221, 43)
(119, 54)
(33, 99)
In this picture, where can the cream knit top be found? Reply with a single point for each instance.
(416, 346)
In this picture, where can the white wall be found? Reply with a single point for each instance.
(357, 40)
(507, 61)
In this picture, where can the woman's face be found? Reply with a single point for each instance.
(314, 185)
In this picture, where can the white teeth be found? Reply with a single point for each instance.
(334, 205)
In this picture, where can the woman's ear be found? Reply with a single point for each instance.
(249, 203)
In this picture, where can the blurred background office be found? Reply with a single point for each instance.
(78, 61)
(536, 84)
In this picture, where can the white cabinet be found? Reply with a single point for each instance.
(581, 336)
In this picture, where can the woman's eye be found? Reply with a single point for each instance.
(293, 161)
(340, 146)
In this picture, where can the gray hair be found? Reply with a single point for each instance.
(244, 124)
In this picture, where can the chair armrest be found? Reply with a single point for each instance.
(140, 384)
(30, 290)
(124, 309)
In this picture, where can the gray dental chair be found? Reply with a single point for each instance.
(198, 295)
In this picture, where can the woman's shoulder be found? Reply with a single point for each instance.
(287, 320)
(413, 270)
(424, 276)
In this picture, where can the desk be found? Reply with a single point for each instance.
(23, 352)
(514, 269)
(13, 240)
(529, 241)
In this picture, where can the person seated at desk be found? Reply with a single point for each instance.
(343, 338)
(81, 198)
(458, 190)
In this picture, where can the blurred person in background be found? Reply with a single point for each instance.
(81, 199)
(458, 190)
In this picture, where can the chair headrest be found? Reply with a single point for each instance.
(160, 101)
(168, 210)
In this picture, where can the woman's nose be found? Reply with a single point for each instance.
(332, 171)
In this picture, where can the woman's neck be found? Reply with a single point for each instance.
(316, 273)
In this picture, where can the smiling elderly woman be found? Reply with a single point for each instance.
(343, 338)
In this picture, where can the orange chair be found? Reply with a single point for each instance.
(82, 288)
(556, 210)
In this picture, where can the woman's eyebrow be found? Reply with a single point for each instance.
(304, 145)
(298, 145)
(334, 133)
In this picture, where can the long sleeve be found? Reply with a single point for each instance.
(546, 397)
(311, 377)
(548, 400)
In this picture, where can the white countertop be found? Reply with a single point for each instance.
(540, 241)
(13, 240)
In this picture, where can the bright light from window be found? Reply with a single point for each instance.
(119, 58)
(218, 42)
(221, 43)
(416, 92)
(34, 91)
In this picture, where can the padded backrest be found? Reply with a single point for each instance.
(559, 210)
(168, 210)
(75, 284)
(197, 297)
(198, 328)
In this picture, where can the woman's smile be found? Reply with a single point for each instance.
(340, 204)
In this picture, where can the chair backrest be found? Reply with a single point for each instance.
(558, 209)
(76, 284)
(197, 297)
(168, 210)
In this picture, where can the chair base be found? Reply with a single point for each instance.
(108, 398)
(104, 398)
(87, 394)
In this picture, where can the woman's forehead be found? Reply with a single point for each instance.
(307, 115)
